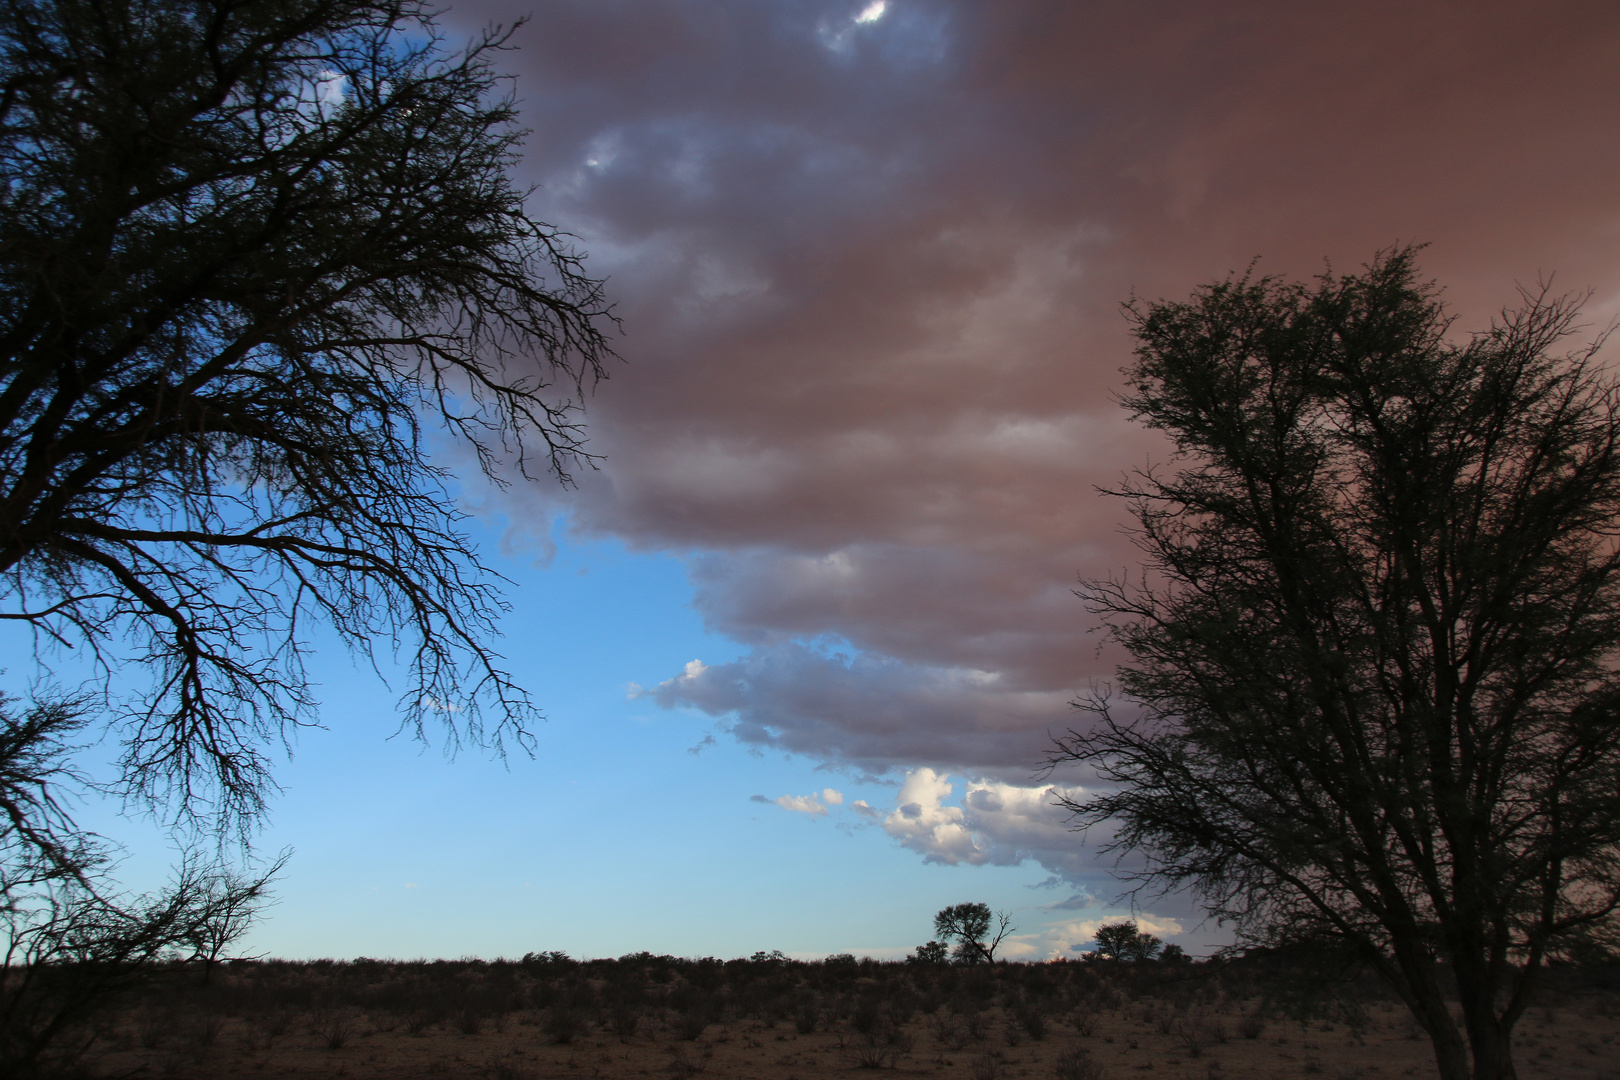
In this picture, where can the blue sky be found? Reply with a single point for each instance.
(632, 826)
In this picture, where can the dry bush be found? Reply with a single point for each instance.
(985, 1067)
(1033, 1022)
(685, 1061)
(334, 1029)
(1076, 1064)
(807, 1016)
(563, 1025)
(880, 1048)
(950, 1031)
(624, 1019)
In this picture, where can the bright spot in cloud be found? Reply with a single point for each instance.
(873, 11)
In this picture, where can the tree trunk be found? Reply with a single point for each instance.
(1450, 1052)
(1490, 1038)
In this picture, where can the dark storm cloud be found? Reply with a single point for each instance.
(870, 273)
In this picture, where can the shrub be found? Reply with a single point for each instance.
(1076, 1064)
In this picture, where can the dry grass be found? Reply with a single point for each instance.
(658, 1017)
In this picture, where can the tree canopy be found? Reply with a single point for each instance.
(1371, 688)
(254, 254)
(977, 931)
(1126, 941)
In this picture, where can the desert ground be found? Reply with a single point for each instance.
(658, 1016)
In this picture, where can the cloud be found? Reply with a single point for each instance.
(861, 710)
(871, 299)
(801, 804)
(995, 823)
(815, 804)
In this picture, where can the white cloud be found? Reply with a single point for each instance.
(872, 12)
(814, 804)
(922, 822)
(997, 823)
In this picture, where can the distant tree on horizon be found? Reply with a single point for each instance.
(970, 926)
(1124, 941)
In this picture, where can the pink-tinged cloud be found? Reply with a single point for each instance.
(870, 274)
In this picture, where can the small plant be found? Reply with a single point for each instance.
(1084, 1022)
(985, 1067)
(687, 1061)
(880, 1048)
(807, 1013)
(949, 1030)
(624, 1020)
(564, 1025)
(334, 1029)
(154, 1031)
(1076, 1064)
(204, 1030)
(1251, 1025)
(1191, 1036)
(1195, 1033)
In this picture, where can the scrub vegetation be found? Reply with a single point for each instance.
(547, 1015)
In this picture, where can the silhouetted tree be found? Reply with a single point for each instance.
(969, 925)
(68, 945)
(1125, 941)
(1372, 684)
(252, 254)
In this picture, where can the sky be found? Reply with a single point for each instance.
(805, 636)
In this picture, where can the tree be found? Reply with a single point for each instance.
(930, 952)
(970, 926)
(68, 946)
(1371, 679)
(1124, 941)
(253, 254)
